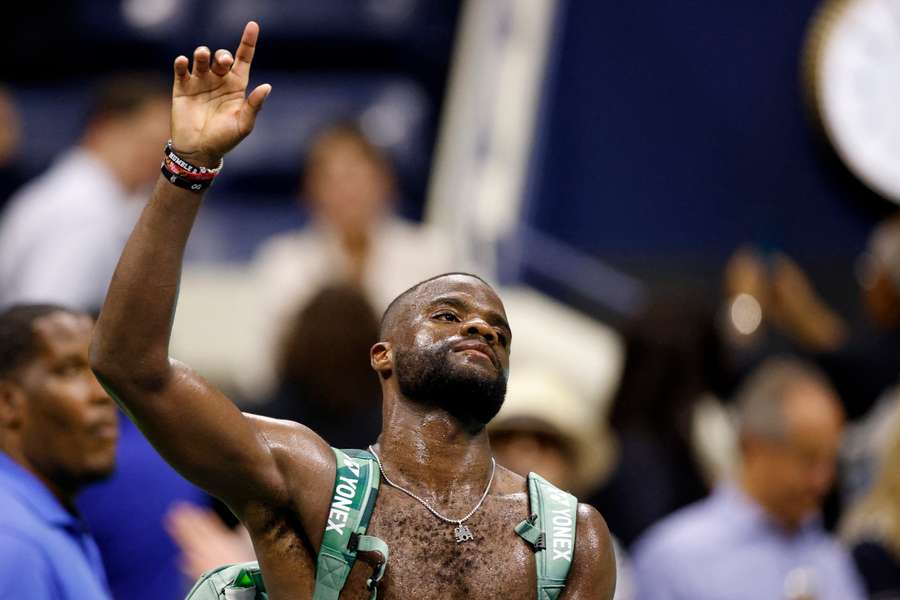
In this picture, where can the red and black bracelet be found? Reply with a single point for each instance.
(184, 174)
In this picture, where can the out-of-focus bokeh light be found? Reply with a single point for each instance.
(146, 14)
(746, 314)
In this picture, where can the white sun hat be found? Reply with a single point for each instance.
(540, 401)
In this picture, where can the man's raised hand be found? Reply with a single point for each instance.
(210, 113)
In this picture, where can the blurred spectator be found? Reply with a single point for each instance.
(869, 438)
(546, 428)
(205, 541)
(57, 433)
(760, 536)
(872, 527)
(127, 513)
(326, 381)
(353, 237)
(10, 138)
(61, 235)
(674, 436)
(861, 359)
(880, 274)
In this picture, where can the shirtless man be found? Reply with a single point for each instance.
(442, 362)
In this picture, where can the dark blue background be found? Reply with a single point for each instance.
(674, 131)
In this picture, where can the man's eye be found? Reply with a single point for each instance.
(446, 316)
(501, 337)
(68, 370)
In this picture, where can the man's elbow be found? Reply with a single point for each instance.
(118, 369)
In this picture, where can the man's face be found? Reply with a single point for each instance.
(800, 468)
(70, 426)
(453, 349)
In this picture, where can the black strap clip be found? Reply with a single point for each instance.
(353, 542)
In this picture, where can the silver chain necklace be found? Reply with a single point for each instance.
(462, 532)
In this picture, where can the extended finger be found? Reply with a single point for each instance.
(222, 62)
(252, 106)
(201, 60)
(258, 96)
(181, 69)
(244, 54)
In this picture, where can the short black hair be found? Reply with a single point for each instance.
(17, 337)
(389, 313)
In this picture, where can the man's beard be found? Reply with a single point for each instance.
(428, 377)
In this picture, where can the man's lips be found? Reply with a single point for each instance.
(108, 430)
(479, 347)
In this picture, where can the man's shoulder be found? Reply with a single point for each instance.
(56, 183)
(52, 198)
(16, 518)
(304, 460)
(514, 487)
(20, 542)
(832, 550)
(25, 539)
(25, 565)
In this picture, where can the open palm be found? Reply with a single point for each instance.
(210, 113)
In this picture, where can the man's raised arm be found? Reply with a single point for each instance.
(196, 429)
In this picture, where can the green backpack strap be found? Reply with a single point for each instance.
(551, 531)
(355, 490)
(352, 500)
(230, 582)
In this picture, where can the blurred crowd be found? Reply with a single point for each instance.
(745, 442)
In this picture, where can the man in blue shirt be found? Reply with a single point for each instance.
(760, 536)
(58, 432)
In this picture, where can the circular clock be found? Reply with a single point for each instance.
(853, 68)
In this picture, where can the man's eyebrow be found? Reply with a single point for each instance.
(72, 356)
(492, 317)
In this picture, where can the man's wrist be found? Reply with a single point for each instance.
(188, 171)
(198, 157)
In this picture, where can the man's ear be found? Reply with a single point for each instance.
(381, 357)
(12, 404)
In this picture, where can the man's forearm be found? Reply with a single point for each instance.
(210, 115)
(132, 333)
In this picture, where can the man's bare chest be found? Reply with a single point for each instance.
(426, 561)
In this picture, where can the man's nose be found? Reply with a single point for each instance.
(98, 394)
(478, 326)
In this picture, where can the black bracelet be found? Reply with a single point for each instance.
(193, 185)
(171, 155)
(184, 174)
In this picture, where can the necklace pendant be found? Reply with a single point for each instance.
(463, 533)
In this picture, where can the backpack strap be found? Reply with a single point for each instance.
(356, 482)
(551, 532)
